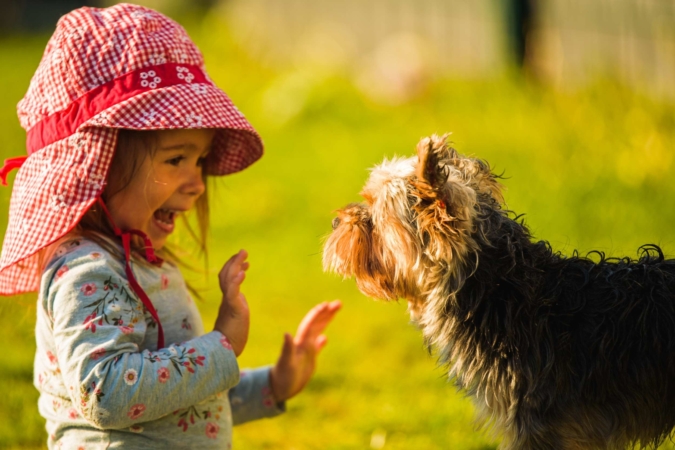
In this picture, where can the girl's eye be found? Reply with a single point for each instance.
(175, 161)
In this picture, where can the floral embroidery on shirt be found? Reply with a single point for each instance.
(186, 324)
(88, 289)
(130, 377)
(212, 430)
(180, 357)
(63, 269)
(268, 399)
(109, 307)
(150, 321)
(89, 322)
(136, 411)
(187, 416)
(87, 391)
(225, 342)
(66, 247)
(163, 374)
(51, 357)
(165, 281)
(96, 354)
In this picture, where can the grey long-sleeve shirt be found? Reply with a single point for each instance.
(103, 384)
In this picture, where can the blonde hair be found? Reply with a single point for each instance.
(133, 146)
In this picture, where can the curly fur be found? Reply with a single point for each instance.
(557, 352)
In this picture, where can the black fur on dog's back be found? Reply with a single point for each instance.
(578, 349)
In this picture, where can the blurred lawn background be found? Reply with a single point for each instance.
(590, 164)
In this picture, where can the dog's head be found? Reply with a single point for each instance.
(415, 228)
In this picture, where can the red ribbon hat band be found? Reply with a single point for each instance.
(63, 123)
(126, 66)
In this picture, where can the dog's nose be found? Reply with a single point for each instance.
(336, 222)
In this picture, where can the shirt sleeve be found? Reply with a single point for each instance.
(98, 325)
(252, 398)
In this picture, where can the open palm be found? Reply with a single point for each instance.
(297, 362)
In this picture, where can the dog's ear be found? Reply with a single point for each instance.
(432, 152)
(437, 160)
(445, 201)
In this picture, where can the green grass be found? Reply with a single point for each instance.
(591, 170)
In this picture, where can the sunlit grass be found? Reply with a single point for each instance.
(591, 170)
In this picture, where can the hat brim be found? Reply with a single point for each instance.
(236, 144)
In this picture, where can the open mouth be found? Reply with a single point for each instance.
(165, 219)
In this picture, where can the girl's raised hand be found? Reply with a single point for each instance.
(233, 315)
(298, 355)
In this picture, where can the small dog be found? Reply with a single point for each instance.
(557, 352)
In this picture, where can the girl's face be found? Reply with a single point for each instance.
(166, 184)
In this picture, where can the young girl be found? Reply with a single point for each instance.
(122, 359)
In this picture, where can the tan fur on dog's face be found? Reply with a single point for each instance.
(417, 217)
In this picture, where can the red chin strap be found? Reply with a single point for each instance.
(149, 256)
(10, 164)
(15, 163)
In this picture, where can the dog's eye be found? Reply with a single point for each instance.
(336, 222)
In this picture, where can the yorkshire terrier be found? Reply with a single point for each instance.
(557, 352)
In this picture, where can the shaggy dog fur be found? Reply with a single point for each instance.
(557, 352)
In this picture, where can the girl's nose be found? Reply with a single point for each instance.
(195, 184)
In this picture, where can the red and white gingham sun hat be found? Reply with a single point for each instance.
(103, 69)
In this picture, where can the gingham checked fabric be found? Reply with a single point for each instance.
(103, 69)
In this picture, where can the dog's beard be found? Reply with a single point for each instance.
(356, 249)
(352, 250)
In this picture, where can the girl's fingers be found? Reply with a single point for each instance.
(316, 320)
(286, 349)
(324, 317)
(235, 264)
(308, 321)
(238, 261)
(234, 284)
(321, 342)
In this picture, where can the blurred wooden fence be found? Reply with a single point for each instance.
(464, 35)
(632, 40)
(574, 40)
